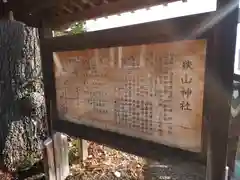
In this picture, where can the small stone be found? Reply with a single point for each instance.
(117, 174)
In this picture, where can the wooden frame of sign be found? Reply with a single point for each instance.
(218, 77)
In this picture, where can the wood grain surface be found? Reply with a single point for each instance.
(152, 91)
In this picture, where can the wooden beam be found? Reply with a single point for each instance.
(67, 9)
(31, 7)
(105, 10)
(105, 1)
(31, 12)
(125, 143)
(161, 31)
(75, 4)
(2, 9)
(88, 2)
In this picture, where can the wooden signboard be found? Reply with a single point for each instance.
(150, 91)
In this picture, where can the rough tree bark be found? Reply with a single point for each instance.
(21, 96)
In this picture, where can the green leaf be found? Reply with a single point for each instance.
(77, 28)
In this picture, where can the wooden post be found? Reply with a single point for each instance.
(48, 79)
(221, 53)
(56, 163)
(49, 166)
(57, 150)
(49, 155)
(61, 156)
(82, 149)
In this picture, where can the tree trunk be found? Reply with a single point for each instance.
(21, 96)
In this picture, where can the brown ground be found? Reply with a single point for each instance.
(104, 163)
(5, 176)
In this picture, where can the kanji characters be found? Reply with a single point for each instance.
(186, 92)
(187, 64)
(185, 106)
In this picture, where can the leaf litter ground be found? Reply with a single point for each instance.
(104, 163)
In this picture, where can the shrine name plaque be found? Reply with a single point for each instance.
(152, 91)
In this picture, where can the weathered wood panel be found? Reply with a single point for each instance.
(154, 91)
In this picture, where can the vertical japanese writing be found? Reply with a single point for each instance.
(168, 91)
(164, 92)
(185, 90)
(145, 91)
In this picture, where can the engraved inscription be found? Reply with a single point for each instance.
(153, 92)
